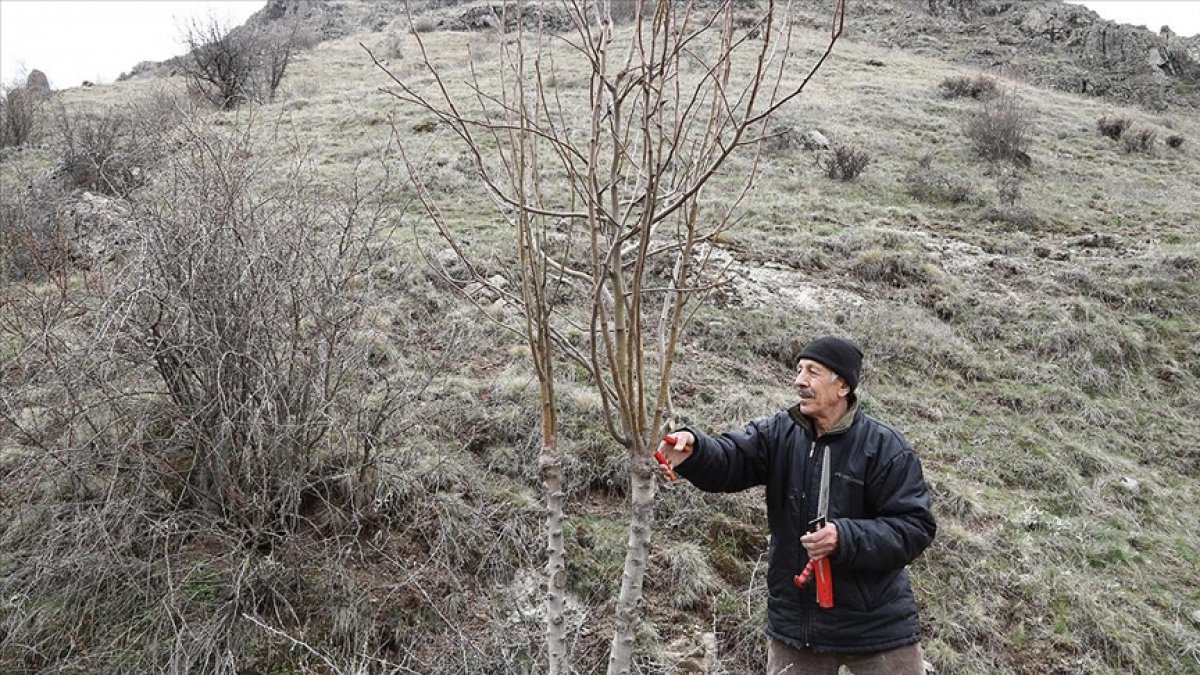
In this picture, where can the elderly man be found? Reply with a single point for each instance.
(841, 486)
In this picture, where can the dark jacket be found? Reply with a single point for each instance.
(877, 499)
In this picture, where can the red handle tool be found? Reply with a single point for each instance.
(824, 574)
(663, 460)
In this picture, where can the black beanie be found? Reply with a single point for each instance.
(839, 355)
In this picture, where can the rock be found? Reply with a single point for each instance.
(99, 226)
(1130, 485)
(814, 140)
(1196, 617)
(37, 83)
(785, 137)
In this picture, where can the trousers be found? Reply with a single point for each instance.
(786, 660)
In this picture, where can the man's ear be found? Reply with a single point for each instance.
(843, 388)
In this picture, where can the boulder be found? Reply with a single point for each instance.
(37, 83)
(99, 228)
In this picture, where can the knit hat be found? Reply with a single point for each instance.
(839, 355)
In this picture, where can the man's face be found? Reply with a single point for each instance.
(820, 389)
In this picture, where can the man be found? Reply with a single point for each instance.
(877, 519)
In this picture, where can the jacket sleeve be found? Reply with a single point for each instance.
(733, 461)
(903, 525)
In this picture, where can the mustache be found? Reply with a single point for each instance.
(805, 392)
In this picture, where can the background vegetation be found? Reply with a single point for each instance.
(1022, 270)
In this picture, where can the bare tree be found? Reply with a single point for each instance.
(628, 235)
(234, 66)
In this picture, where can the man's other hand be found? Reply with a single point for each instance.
(821, 543)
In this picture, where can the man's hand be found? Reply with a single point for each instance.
(678, 453)
(821, 543)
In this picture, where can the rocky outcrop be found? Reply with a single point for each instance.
(326, 19)
(1046, 42)
(1123, 61)
(37, 83)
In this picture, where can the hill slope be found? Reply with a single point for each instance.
(1038, 346)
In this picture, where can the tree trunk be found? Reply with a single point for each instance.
(556, 574)
(637, 555)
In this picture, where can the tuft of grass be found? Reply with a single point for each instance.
(894, 268)
(694, 582)
(930, 183)
(1138, 139)
(967, 86)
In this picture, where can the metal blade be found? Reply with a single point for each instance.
(823, 495)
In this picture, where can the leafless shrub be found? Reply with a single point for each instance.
(1174, 141)
(930, 183)
(112, 150)
(32, 238)
(232, 67)
(175, 422)
(1138, 139)
(845, 162)
(966, 86)
(1000, 131)
(21, 114)
(1113, 126)
(1009, 185)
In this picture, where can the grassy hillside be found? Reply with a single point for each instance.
(1041, 351)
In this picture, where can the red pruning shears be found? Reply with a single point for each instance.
(820, 568)
(663, 460)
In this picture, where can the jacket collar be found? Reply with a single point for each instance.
(840, 427)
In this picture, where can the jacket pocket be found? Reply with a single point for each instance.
(876, 590)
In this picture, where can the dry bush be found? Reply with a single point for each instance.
(21, 113)
(1138, 139)
(1009, 184)
(1113, 126)
(845, 162)
(930, 183)
(174, 422)
(1174, 141)
(113, 150)
(1000, 131)
(966, 86)
(33, 241)
(230, 67)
